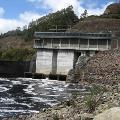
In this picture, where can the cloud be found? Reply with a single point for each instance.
(9, 24)
(2, 11)
(98, 11)
(22, 20)
(93, 8)
(29, 16)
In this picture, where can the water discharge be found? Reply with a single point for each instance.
(24, 95)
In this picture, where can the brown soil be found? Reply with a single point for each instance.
(14, 42)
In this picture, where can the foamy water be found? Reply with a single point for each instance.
(24, 96)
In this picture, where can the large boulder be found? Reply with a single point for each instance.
(111, 114)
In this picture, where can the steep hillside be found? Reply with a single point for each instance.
(24, 39)
(108, 21)
(98, 25)
(103, 67)
(61, 20)
(14, 42)
(101, 25)
(113, 9)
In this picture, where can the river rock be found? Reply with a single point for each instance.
(110, 114)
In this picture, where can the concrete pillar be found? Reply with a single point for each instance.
(65, 60)
(44, 61)
(60, 43)
(51, 43)
(69, 43)
(54, 61)
(43, 43)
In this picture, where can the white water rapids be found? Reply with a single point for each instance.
(25, 95)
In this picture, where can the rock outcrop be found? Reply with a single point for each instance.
(111, 114)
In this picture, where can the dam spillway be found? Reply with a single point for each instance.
(57, 52)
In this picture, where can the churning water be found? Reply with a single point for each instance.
(24, 95)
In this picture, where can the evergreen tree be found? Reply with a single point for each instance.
(62, 19)
(84, 15)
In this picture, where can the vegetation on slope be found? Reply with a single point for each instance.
(16, 41)
(13, 44)
(63, 19)
(17, 54)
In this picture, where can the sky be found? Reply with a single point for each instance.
(18, 13)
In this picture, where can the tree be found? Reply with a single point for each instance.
(84, 15)
(63, 18)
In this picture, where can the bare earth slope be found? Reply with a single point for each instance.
(98, 25)
(103, 67)
(14, 42)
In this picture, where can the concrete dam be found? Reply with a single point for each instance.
(57, 52)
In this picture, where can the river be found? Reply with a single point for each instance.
(24, 95)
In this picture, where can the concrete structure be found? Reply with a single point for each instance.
(57, 52)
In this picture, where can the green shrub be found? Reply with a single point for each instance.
(91, 100)
(96, 89)
(17, 54)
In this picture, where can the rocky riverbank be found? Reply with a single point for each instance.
(101, 72)
(80, 108)
(104, 67)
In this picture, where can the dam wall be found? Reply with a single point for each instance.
(54, 61)
(64, 61)
(13, 68)
(58, 52)
(44, 61)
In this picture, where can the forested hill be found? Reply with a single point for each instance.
(17, 44)
(63, 19)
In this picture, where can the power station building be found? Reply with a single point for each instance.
(57, 52)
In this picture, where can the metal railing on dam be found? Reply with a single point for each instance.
(71, 35)
(72, 48)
